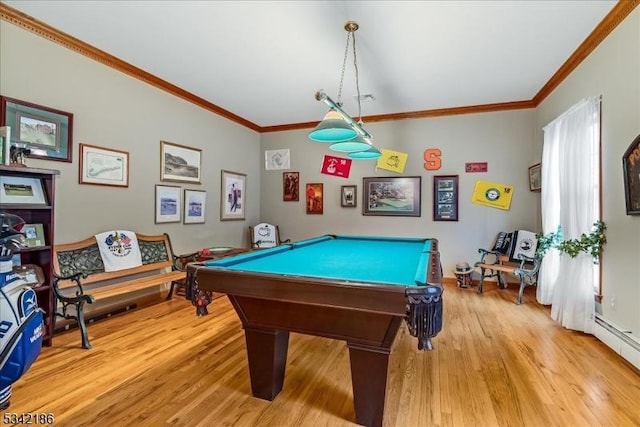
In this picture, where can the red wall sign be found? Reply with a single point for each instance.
(476, 167)
(336, 166)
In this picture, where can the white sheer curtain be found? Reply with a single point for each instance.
(570, 198)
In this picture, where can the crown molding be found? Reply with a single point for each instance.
(619, 12)
(453, 111)
(43, 30)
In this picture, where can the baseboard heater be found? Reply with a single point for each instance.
(73, 324)
(619, 339)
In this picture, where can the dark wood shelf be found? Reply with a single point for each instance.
(41, 255)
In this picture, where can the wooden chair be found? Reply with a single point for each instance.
(265, 235)
(513, 253)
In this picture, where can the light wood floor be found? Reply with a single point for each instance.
(494, 364)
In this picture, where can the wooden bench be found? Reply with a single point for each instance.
(495, 264)
(80, 277)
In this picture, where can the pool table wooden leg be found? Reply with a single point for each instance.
(369, 379)
(267, 355)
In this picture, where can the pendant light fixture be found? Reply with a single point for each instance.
(339, 128)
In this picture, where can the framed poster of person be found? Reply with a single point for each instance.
(233, 194)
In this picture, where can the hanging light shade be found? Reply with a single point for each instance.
(338, 127)
(371, 153)
(359, 143)
(333, 128)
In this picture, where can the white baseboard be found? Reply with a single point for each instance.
(620, 340)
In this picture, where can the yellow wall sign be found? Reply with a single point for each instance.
(492, 194)
(392, 160)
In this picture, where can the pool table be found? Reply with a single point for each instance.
(353, 288)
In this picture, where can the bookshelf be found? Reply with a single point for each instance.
(35, 210)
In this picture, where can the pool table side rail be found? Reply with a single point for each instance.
(388, 299)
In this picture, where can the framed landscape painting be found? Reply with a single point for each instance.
(194, 206)
(168, 204)
(45, 132)
(392, 196)
(180, 163)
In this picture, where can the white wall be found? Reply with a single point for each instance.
(503, 139)
(613, 71)
(114, 110)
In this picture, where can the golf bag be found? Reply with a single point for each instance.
(21, 321)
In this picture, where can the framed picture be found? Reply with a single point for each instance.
(233, 194)
(276, 159)
(46, 132)
(348, 194)
(103, 166)
(168, 206)
(445, 198)
(535, 177)
(17, 190)
(314, 199)
(34, 235)
(391, 196)
(194, 206)
(631, 168)
(290, 186)
(180, 163)
(32, 274)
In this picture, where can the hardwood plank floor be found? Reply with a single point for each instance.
(494, 364)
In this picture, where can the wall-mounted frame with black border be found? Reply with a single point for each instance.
(631, 172)
(445, 198)
(46, 132)
(391, 196)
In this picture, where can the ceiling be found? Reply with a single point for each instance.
(264, 60)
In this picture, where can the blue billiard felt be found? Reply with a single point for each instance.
(379, 260)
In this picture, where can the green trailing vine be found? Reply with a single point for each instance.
(591, 243)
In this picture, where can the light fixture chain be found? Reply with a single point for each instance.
(355, 65)
(344, 66)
